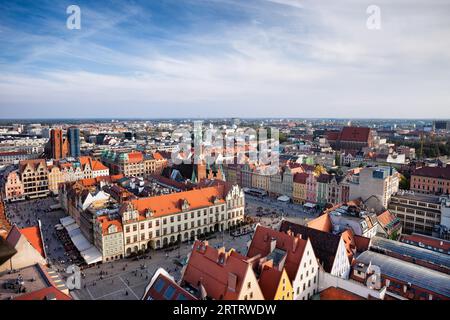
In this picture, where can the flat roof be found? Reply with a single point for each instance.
(408, 250)
(419, 276)
(416, 196)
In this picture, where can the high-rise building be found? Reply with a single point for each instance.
(56, 143)
(73, 136)
(57, 146)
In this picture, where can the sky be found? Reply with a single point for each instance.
(225, 58)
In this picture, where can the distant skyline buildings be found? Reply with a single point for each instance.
(225, 59)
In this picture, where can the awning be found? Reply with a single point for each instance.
(91, 255)
(81, 242)
(283, 198)
(66, 221)
(309, 205)
(71, 227)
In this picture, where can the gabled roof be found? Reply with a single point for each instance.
(357, 134)
(33, 235)
(300, 177)
(290, 245)
(269, 280)
(220, 273)
(325, 244)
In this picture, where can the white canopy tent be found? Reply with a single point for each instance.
(309, 205)
(91, 255)
(284, 199)
(67, 221)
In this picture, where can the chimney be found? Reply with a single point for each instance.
(295, 244)
(273, 244)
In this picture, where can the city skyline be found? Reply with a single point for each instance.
(225, 58)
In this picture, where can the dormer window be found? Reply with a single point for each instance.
(184, 205)
(149, 213)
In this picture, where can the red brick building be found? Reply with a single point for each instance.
(431, 180)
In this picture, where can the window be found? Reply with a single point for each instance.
(249, 285)
(169, 292)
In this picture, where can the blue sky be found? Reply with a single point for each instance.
(225, 58)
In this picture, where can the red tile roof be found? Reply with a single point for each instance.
(333, 293)
(269, 280)
(48, 293)
(216, 270)
(292, 245)
(433, 172)
(33, 235)
(300, 177)
(322, 223)
(107, 222)
(135, 157)
(428, 241)
(357, 134)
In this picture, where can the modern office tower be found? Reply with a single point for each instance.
(73, 136)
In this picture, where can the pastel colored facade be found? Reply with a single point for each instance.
(431, 180)
(83, 168)
(34, 176)
(261, 179)
(14, 188)
(108, 238)
(299, 188)
(159, 221)
(134, 164)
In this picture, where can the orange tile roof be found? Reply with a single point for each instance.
(322, 223)
(333, 293)
(171, 203)
(294, 246)
(204, 267)
(106, 222)
(135, 157)
(33, 235)
(158, 156)
(43, 294)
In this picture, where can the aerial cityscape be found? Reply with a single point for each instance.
(198, 150)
